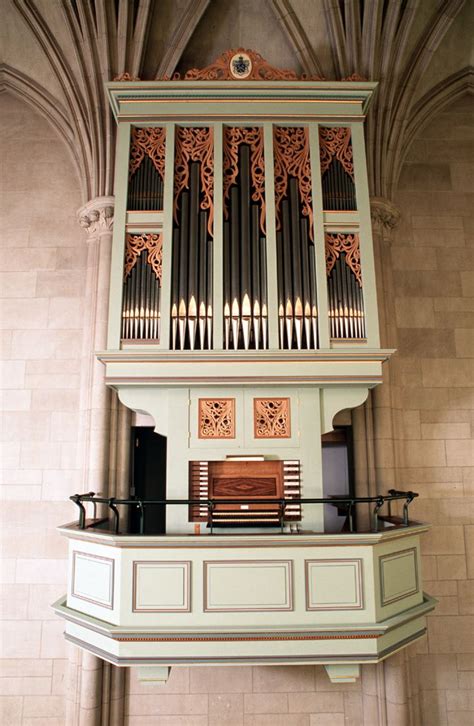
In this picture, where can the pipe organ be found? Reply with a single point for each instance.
(242, 272)
(242, 319)
(252, 176)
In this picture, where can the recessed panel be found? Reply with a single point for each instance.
(334, 585)
(243, 586)
(93, 579)
(398, 575)
(161, 587)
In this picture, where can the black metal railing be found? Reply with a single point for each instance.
(344, 504)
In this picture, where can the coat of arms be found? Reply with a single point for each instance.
(240, 65)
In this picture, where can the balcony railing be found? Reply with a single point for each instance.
(345, 505)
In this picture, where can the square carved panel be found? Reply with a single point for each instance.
(216, 418)
(271, 418)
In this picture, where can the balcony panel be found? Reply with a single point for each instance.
(277, 598)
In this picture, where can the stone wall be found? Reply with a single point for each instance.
(433, 375)
(42, 284)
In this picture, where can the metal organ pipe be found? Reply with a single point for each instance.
(192, 295)
(245, 288)
(257, 285)
(235, 307)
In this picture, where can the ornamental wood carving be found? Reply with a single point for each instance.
(348, 243)
(335, 142)
(216, 418)
(233, 137)
(126, 77)
(292, 158)
(240, 64)
(272, 418)
(153, 244)
(148, 142)
(195, 144)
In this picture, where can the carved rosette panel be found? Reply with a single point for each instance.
(348, 243)
(241, 64)
(195, 144)
(272, 418)
(153, 244)
(216, 418)
(292, 158)
(148, 142)
(335, 143)
(233, 137)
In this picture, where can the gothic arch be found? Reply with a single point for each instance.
(37, 97)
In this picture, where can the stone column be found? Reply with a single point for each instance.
(377, 429)
(96, 689)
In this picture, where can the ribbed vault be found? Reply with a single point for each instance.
(88, 42)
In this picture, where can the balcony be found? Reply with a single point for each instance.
(281, 597)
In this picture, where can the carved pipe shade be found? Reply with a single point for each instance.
(335, 143)
(136, 243)
(272, 419)
(195, 144)
(233, 138)
(148, 142)
(348, 243)
(216, 418)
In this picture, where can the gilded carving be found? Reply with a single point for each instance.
(335, 142)
(272, 418)
(153, 244)
(216, 418)
(150, 142)
(233, 137)
(348, 243)
(195, 144)
(292, 158)
(242, 64)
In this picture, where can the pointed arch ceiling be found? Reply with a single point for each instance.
(418, 51)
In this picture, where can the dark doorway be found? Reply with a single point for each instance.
(338, 473)
(148, 467)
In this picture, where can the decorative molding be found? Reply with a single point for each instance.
(239, 64)
(292, 158)
(97, 217)
(149, 142)
(385, 216)
(104, 561)
(343, 242)
(234, 566)
(233, 137)
(216, 418)
(135, 245)
(402, 594)
(179, 607)
(195, 144)
(271, 418)
(355, 564)
(335, 142)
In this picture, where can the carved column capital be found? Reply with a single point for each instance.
(97, 217)
(385, 216)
